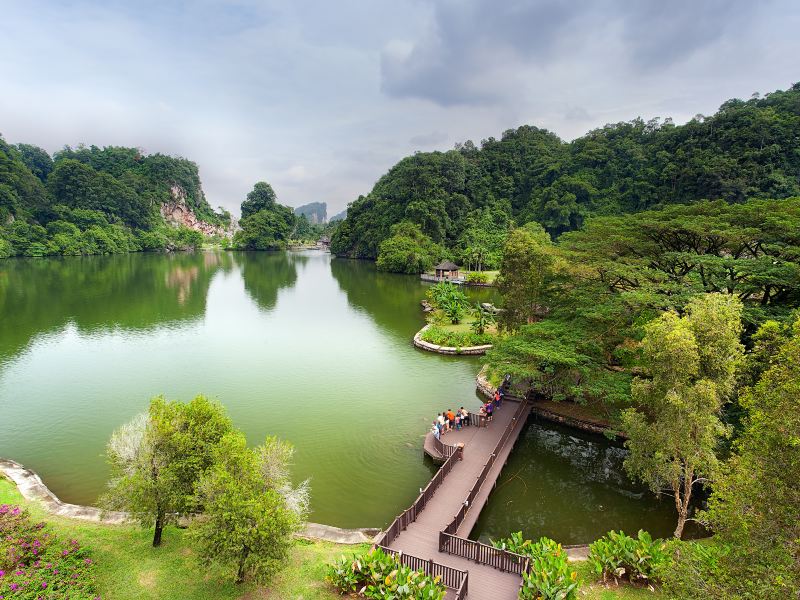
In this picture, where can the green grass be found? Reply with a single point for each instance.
(129, 568)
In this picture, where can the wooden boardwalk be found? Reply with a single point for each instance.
(435, 527)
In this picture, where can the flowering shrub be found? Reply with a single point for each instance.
(378, 575)
(36, 564)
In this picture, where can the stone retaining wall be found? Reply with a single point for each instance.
(31, 486)
(466, 350)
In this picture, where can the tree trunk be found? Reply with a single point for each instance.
(683, 495)
(159, 529)
(242, 559)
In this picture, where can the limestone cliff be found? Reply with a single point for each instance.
(178, 212)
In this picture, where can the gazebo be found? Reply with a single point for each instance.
(446, 270)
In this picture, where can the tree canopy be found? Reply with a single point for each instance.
(748, 149)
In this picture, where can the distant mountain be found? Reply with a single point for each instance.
(339, 217)
(315, 212)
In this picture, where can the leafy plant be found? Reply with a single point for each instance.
(376, 574)
(477, 277)
(549, 576)
(620, 556)
(483, 319)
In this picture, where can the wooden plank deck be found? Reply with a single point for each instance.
(421, 538)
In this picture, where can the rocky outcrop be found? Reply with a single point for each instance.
(178, 212)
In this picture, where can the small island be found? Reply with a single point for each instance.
(455, 326)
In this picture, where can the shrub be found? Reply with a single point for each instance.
(694, 572)
(441, 337)
(376, 574)
(35, 563)
(477, 277)
(549, 576)
(637, 559)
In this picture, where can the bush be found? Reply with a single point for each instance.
(549, 576)
(376, 574)
(477, 277)
(35, 563)
(694, 572)
(441, 337)
(621, 556)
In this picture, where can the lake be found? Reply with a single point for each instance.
(310, 348)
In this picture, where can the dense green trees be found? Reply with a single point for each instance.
(266, 225)
(748, 149)
(408, 250)
(618, 273)
(94, 201)
(755, 508)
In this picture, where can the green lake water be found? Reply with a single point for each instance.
(313, 349)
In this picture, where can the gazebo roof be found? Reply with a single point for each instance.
(446, 265)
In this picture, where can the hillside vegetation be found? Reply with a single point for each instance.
(92, 200)
(460, 198)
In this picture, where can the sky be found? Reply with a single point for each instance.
(321, 98)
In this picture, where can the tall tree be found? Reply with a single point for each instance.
(529, 260)
(755, 507)
(250, 508)
(157, 459)
(262, 197)
(675, 427)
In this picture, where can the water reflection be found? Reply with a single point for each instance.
(266, 273)
(572, 487)
(132, 292)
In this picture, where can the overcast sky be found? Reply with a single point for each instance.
(320, 98)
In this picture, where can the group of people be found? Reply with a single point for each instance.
(449, 420)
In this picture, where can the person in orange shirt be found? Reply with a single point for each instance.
(451, 417)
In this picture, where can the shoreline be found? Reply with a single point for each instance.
(553, 411)
(32, 488)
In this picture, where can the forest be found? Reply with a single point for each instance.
(465, 200)
(91, 200)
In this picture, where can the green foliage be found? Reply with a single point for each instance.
(249, 517)
(528, 265)
(458, 339)
(477, 277)
(375, 574)
(483, 319)
(755, 506)
(549, 576)
(408, 250)
(691, 363)
(35, 563)
(639, 560)
(748, 149)
(265, 224)
(111, 195)
(157, 459)
(694, 572)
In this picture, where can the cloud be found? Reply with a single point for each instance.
(426, 140)
(321, 99)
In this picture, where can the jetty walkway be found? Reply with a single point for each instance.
(431, 535)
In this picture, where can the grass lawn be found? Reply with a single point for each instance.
(128, 567)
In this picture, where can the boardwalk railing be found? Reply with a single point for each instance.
(455, 579)
(483, 554)
(409, 515)
(449, 541)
